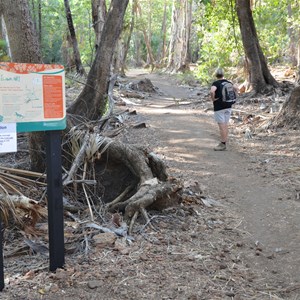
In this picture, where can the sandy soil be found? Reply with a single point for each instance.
(243, 245)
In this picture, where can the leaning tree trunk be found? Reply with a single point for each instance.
(79, 68)
(259, 74)
(91, 102)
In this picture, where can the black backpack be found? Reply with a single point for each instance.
(228, 92)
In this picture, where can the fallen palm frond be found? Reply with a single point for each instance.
(21, 210)
(14, 205)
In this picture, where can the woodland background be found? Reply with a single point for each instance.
(108, 180)
(168, 34)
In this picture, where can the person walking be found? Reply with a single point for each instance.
(223, 94)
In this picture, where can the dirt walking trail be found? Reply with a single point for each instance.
(267, 218)
(243, 246)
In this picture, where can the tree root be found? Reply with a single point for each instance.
(151, 194)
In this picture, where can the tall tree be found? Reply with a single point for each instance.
(92, 101)
(162, 46)
(146, 33)
(79, 68)
(128, 39)
(259, 75)
(179, 57)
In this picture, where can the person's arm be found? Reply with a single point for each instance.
(213, 93)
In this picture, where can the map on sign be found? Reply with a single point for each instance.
(33, 96)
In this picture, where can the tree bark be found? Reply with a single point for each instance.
(99, 13)
(179, 58)
(21, 31)
(5, 35)
(162, 46)
(259, 74)
(79, 68)
(289, 115)
(91, 103)
(40, 21)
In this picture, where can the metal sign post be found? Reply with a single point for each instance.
(55, 200)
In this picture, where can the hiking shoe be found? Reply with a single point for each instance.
(220, 147)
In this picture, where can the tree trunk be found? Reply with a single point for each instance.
(99, 13)
(40, 21)
(21, 31)
(162, 46)
(127, 42)
(5, 36)
(289, 115)
(118, 56)
(79, 68)
(179, 58)
(259, 74)
(147, 37)
(66, 52)
(91, 103)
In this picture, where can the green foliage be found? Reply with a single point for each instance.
(55, 29)
(271, 21)
(217, 30)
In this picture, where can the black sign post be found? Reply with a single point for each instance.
(1, 258)
(55, 199)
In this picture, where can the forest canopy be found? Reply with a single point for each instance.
(213, 39)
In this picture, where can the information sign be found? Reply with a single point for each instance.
(32, 96)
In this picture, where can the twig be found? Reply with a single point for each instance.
(86, 195)
(119, 198)
(133, 219)
(84, 181)
(23, 172)
(86, 240)
(78, 160)
(5, 183)
(121, 231)
(145, 215)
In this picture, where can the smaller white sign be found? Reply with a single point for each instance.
(8, 137)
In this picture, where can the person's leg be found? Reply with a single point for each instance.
(223, 127)
(222, 117)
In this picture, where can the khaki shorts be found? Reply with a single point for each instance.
(222, 116)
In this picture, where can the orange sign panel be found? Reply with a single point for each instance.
(53, 95)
